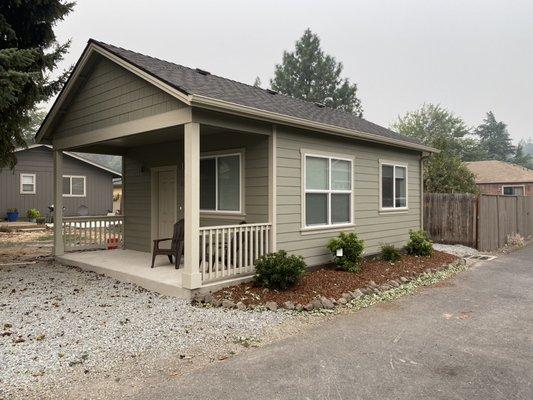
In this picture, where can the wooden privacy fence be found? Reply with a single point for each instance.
(91, 233)
(500, 216)
(451, 218)
(483, 222)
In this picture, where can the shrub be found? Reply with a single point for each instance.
(515, 239)
(419, 243)
(278, 270)
(12, 210)
(352, 251)
(33, 213)
(390, 253)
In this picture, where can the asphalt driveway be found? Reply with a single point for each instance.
(468, 338)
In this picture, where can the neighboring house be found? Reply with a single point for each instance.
(85, 184)
(499, 177)
(251, 171)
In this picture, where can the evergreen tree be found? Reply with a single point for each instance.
(29, 52)
(522, 158)
(309, 74)
(30, 127)
(494, 138)
(257, 82)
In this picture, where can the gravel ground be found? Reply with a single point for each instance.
(456, 249)
(60, 325)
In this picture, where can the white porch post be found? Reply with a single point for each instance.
(58, 203)
(272, 192)
(191, 277)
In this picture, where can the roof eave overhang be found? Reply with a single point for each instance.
(209, 103)
(238, 109)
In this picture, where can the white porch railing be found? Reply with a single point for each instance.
(91, 233)
(231, 250)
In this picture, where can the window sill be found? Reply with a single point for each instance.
(28, 193)
(73, 195)
(325, 229)
(385, 211)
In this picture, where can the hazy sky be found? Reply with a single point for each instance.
(469, 56)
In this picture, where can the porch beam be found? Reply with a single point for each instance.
(272, 188)
(191, 277)
(146, 124)
(58, 203)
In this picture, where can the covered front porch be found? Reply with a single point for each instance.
(217, 179)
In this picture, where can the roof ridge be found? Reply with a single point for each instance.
(232, 80)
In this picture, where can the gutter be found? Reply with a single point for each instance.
(269, 116)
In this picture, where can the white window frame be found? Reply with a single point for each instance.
(514, 186)
(217, 155)
(393, 164)
(329, 192)
(70, 186)
(34, 191)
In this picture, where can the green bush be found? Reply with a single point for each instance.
(419, 243)
(278, 270)
(352, 251)
(33, 213)
(390, 253)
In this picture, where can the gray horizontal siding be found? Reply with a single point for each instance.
(372, 226)
(112, 95)
(99, 185)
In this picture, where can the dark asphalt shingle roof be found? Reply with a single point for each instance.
(190, 81)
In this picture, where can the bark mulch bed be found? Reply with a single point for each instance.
(332, 283)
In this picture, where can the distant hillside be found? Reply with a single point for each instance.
(111, 162)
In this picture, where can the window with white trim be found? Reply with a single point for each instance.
(513, 190)
(27, 183)
(328, 191)
(393, 186)
(220, 183)
(73, 186)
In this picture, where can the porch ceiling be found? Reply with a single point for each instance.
(120, 146)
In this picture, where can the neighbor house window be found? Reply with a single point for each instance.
(328, 190)
(513, 190)
(73, 186)
(220, 183)
(27, 183)
(393, 187)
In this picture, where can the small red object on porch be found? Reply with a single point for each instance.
(112, 243)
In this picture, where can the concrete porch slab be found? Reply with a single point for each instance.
(133, 267)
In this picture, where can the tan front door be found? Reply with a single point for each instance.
(166, 204)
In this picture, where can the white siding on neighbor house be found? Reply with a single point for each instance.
(373, 226)
(137, 182)
(111, 95)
